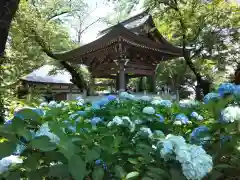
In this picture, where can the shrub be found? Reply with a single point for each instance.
(126, 138)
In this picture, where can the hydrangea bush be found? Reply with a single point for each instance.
(125, 138)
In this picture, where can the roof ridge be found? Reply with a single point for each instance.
(126, 21)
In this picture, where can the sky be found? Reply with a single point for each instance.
(99, 9)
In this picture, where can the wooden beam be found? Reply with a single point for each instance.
(139, 66)
(139, 71)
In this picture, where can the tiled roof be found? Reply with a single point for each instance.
(41, 75)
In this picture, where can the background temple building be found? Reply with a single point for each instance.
(132, 48)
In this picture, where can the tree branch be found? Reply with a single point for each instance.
(77, 78)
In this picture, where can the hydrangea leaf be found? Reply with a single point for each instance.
(92, 155)
(132, 175)
(43, 143)
(59, 170)
(133, 161)
(98, 173)
(120, 172)
(7, 148)
(77, 167)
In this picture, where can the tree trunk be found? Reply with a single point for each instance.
(8, 9)
(203, 86)
(237, 75)
(77, 78)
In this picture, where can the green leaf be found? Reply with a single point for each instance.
(43, 143)
(119, 171)
(59, 170)
(31, 162)
(7, 148)
(177, 174)
(29, 114)
(98, 173)
(132, 174)
(92, 155)
(14, 176)
(77, 167)
(224, 166)
(133, 161)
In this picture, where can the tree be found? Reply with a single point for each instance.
(208, 29)
(8, 9)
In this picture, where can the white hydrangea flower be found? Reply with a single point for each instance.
(145, 132)
(52, 104)
(43, 104)
(155, 102)
(230, 114)
(138, 121)
(59, 105)
(45, 131)
(195, 162)
(8, 161)
(129, 123)
(148, 110)
(178, 123)
(145, 98)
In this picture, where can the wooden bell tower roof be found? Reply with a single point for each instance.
(136, 39)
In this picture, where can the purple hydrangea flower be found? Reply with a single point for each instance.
(111, 97)
(226, 88)
(161, 118)
(182, 118)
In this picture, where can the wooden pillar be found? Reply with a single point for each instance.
(154, 82)
(92, 86)
(121, 76)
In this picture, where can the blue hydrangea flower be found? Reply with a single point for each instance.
(111, 97)
(230, 114)
(103, 102)
(81, 113)
(182, 118)
(196, 135)
(8, 122)
(72, 116)
(19, 149)
(161, 118)
(210, 96)
(226, 88)
(96, 120)
(165, 103)
(98, 162)
(196, 116)
(237, 90)
(95, 106)
(40, 112)
(148, 110)
(224, 139)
